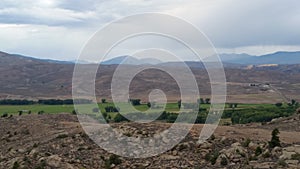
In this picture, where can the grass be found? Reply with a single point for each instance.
(170, 107)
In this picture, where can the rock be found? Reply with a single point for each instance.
(252, 146)
(286, 155)
(53, 161)
(206, 145)
(175, 152)
(292, 162)
(21, 150)
(169, 157)
(277, 151)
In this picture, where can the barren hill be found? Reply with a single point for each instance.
(25, 77)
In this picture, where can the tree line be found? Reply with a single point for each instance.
(44, 101)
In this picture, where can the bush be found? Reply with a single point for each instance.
(212, 157)
(20, 113)
(246, 143)
(224, 161)
(111, 109)
(119, 118)
(103, 100)
(74, 112)
(4, 115)
(135, 102)
(275, 139)
(16, 165)
(258, 151)
(41, 112)
(114, 159)
(296, 157)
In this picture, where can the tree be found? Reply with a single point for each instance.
(207, 101)
(278, 104)
(135, 102)
(179, 104)
(275, 142)
(103, 100)
(120, 118)
(293, 102)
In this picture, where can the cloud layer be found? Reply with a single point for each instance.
(58, 29)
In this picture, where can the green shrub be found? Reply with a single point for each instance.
(212, 157)
(113, 159)
(41, 112)
(119, 118)
(224, 161)
(258, 151)
(16, 165)
(275, 139)
(296, 157)
(4, 115)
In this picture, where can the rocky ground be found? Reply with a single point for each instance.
(58, 141)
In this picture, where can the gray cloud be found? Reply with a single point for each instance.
(232, 25)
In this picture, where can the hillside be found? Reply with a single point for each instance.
(25, 77)
(58, 141)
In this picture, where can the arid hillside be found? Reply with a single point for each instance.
(24, 77)
(58, 141)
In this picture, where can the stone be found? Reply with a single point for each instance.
(53, 161)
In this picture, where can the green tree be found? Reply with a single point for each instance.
(275, 139)
(207, 101)
(179, 104)
(278, 104)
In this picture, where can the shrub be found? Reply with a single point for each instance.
(4, 115)
(114, 159)
(246, 142)
(20, 113)
(16, 165)
(275, 139)
(119, 118)
(41, 112)
(212, 157)
(258, 151)
(74, 112)
(103, 100)
(224, 161)
(296, 157)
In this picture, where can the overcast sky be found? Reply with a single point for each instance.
(58, 29)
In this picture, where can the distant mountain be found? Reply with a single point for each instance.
(274, 58)
(129, 60)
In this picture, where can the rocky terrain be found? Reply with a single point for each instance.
(58, 141)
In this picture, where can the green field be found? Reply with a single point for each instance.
(171, 107)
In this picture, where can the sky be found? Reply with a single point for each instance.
(59, 29)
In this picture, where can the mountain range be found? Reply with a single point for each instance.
(227, 59)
